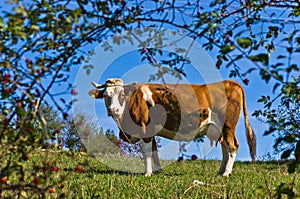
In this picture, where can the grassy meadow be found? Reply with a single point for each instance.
(77, 175)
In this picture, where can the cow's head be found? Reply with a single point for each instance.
(113, 93)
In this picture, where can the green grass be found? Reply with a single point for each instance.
(260, 180)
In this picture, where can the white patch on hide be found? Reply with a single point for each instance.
(147, 95)
(211, 127)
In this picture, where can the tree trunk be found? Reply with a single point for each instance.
(297, 151)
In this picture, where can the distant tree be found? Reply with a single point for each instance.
(70, 138)
(97, 141)
(54, 126)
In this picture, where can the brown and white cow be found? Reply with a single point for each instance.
(178, 112)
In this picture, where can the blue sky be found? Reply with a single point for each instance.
(125, 62)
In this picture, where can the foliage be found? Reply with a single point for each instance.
(284, 122)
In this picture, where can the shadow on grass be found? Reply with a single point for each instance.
(112, 171)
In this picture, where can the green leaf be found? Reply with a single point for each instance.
(273, 28)
(244, 42)
(1, 23)
(286, 153)
(275, 87)
(281, 57)
(263, 58)
(290, 50)
(227, 49)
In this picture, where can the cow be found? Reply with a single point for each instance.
(178, 112)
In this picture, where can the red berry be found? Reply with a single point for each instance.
(27, 157)
(51, 190)
(3, 180)
(6, 120)
(36, 181)
(48, 163)
(119, 143)
(55, 168)
(19, 104)
(246, 81)
(223, 15)
(194, 157)
(9, 90)
(40, 73)
(79, 168)
(73, 91)
(7, 76)
(66, 115)
(144, 50)
(57, 130)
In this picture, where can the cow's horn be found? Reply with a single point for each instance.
(96, 85)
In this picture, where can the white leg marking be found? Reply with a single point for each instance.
(227, 161)
(229, 164)
(224, 161)
(147, 152)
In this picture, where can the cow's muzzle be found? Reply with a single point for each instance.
(112, 112)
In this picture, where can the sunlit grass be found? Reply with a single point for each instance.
(97, 180)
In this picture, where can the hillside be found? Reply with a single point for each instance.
(77, 175)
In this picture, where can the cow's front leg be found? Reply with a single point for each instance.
(147, 153)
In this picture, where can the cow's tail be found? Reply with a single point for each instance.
(251, 138)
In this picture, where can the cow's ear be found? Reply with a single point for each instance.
(95, 93)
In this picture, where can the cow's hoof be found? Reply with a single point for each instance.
(224, 174)
(148, 174)
(158, 171)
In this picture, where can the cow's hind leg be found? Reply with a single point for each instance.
(230, 143)
(229, 153)
(157, 166)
